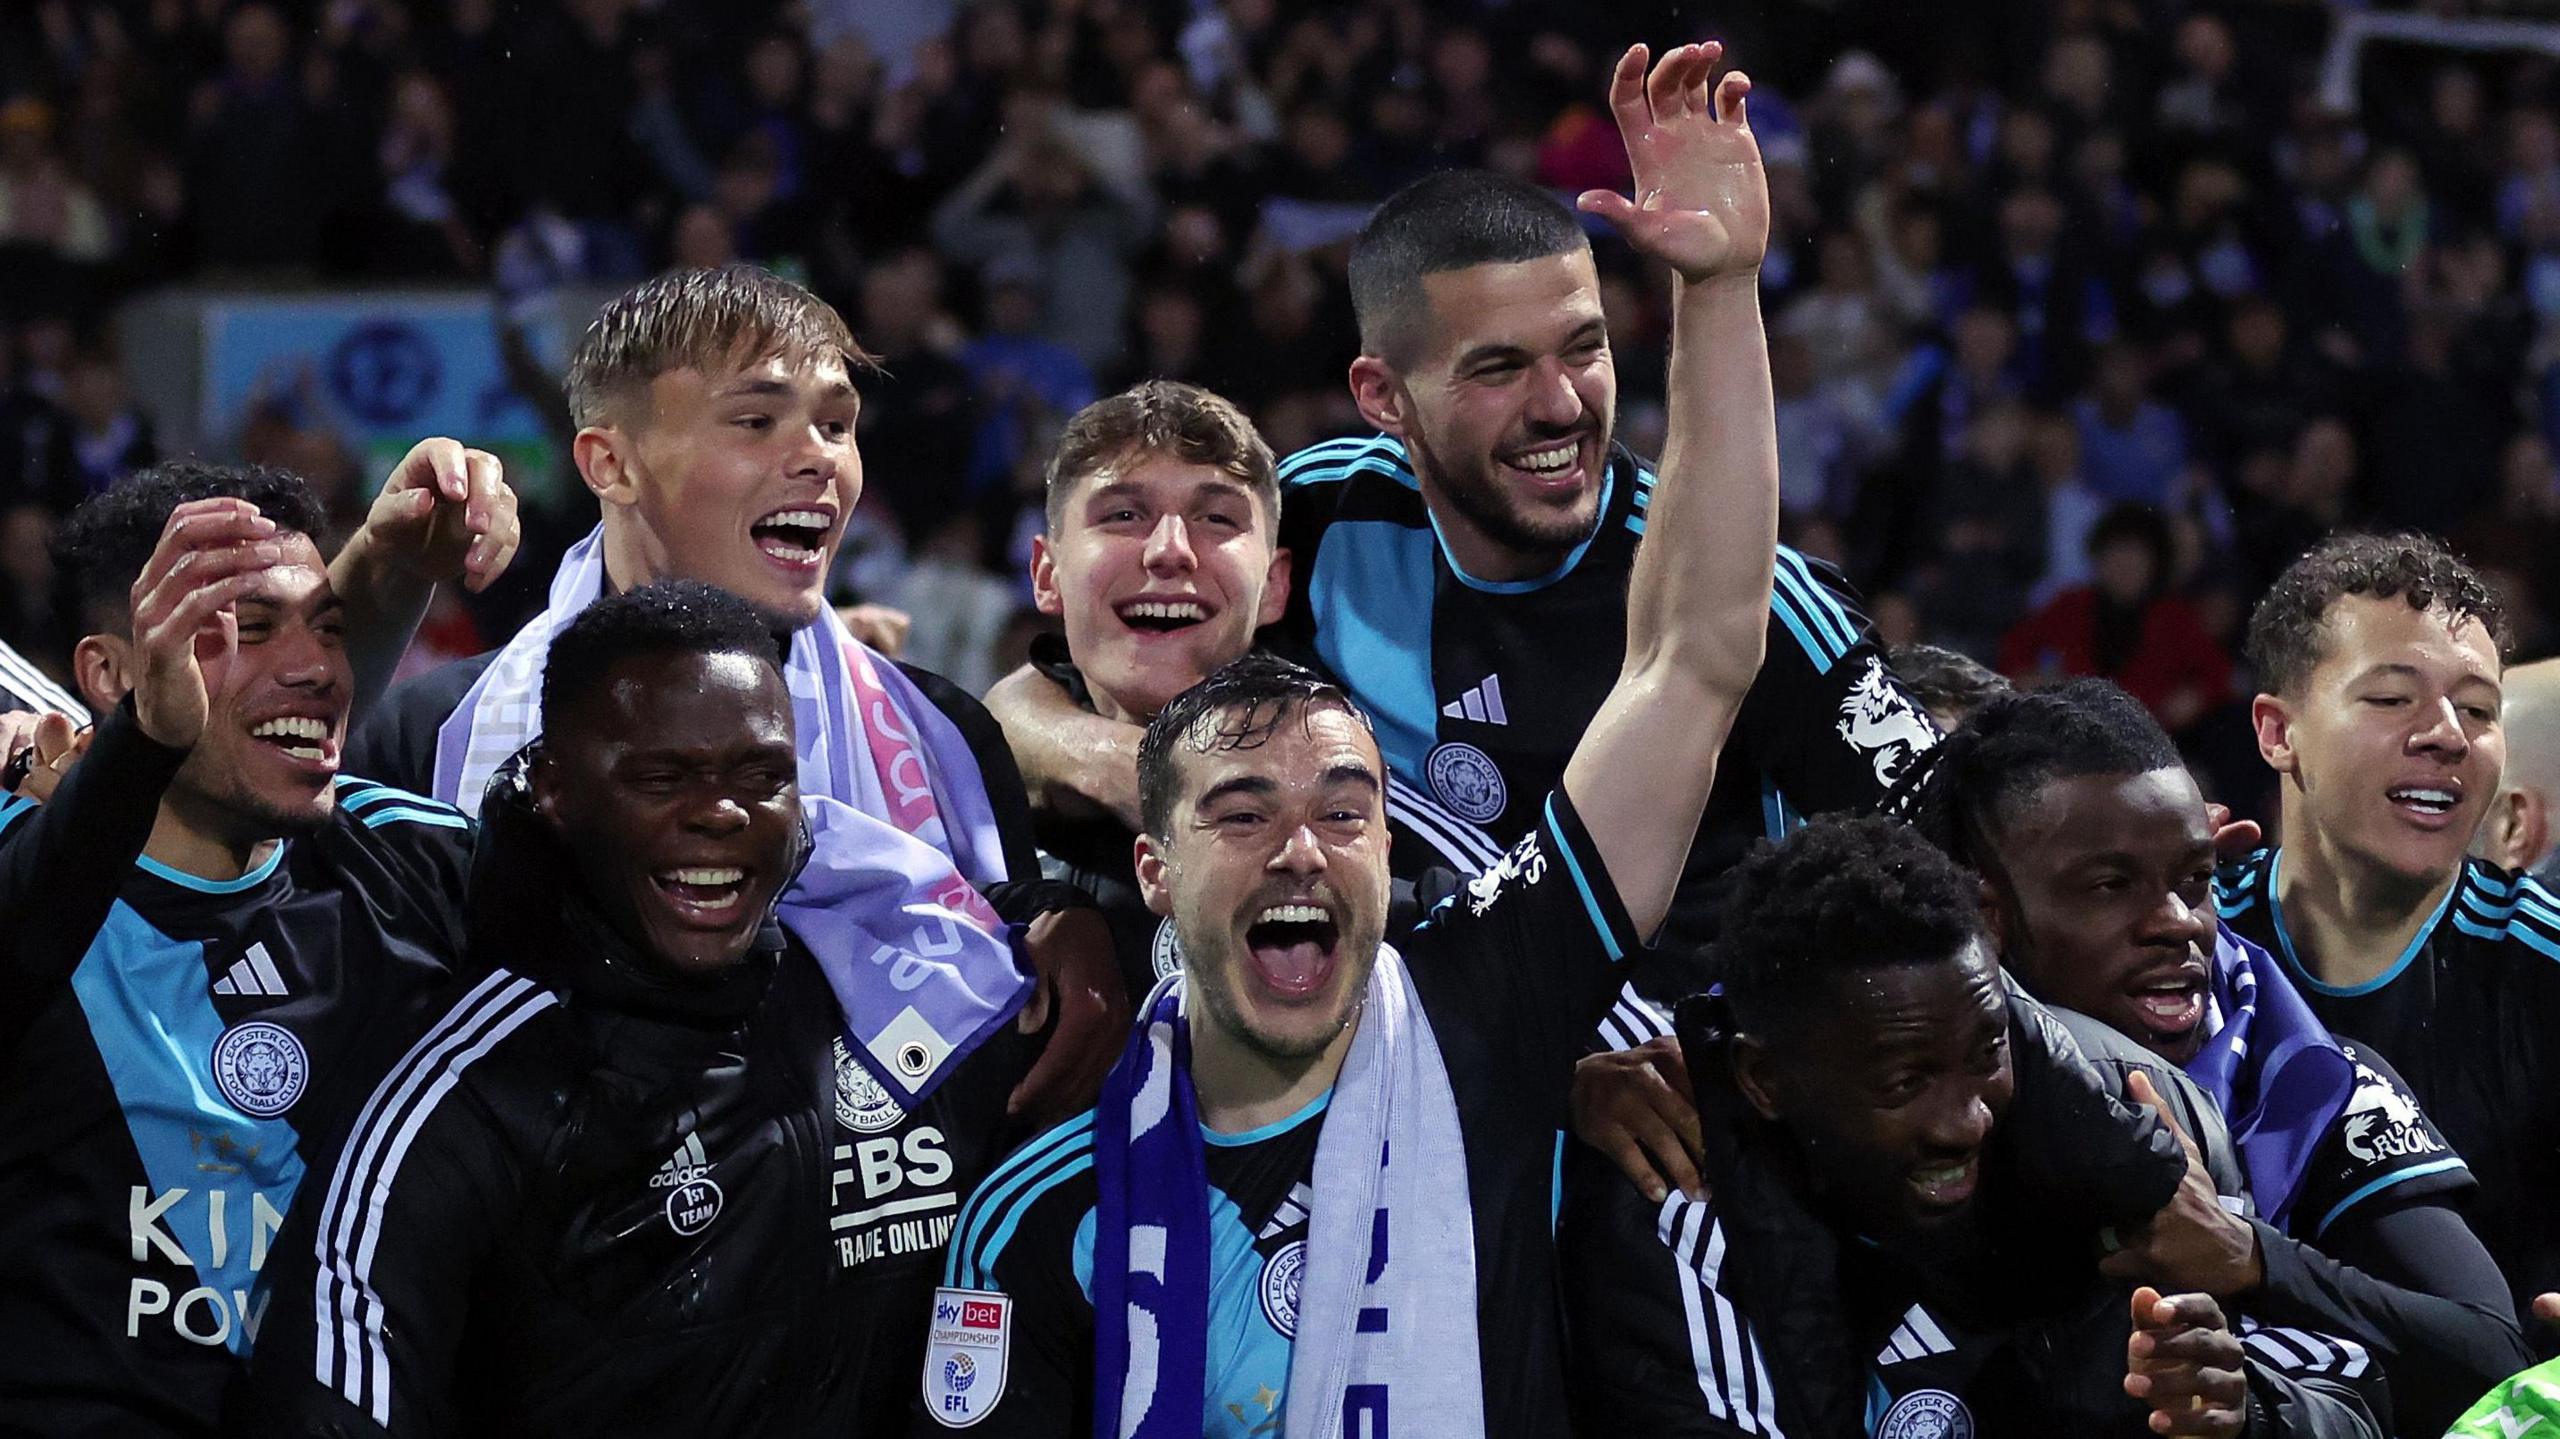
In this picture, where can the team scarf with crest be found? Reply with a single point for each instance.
(1387, 1306)
(899, 824)
(2273, 1069)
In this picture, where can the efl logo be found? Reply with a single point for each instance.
(965, 1362)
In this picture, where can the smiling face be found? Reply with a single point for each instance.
(1162, 569)
(741, 479)
(675, 787)
(1507, 407)
(279, 706)
(2393, 746)
(2105, 903)
(1273, 866)
(1893, 1096)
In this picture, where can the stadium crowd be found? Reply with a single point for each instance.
(1584, 744)
(2035, 266)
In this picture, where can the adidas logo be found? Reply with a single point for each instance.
(686, 1166)
(1916, 1337)
(1293, 1210)
(1483, 704)
(252, 973)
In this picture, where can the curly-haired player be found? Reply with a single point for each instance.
(2096, 852)
(1913, 1173)
(215, 943)
(2381, 666)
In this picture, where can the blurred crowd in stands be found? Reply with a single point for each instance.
(2087, 314)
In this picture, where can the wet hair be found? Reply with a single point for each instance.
(1945, 681)
(704, 320)
(2288, 631)
(1448, 220)
(1238, 706)
(1837, 897)
(101, 549)
(671, 617)
(1167, 418)
(2017, 744)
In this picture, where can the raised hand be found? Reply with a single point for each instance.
(210, 552)
(446, 513)
(56, 747)
(1702, 201)
(2183, 1360)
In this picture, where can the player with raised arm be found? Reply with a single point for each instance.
(1270, 1190)
(216, 941)
(1484, 535)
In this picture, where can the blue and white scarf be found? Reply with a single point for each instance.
(2273, 1069)
(1387, 1314)
(902, 834)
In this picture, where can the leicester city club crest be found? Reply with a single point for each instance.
(1467, 780)
(1281, 1276)
(1166, 955)
(863, 1104)
(261, 1068)
(1927, 1414)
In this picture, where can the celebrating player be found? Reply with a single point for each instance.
(215, 944)
(1914, 1172)
(636, 1182)
(1464, 572)
(2380, 661)
(716, 412)
(2097, 851)
(1158, 557)
(1257, 1245)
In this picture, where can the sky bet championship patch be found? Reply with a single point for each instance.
(964, 1357)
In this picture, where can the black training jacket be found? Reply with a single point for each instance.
(1782, 1327)
(592, 1203)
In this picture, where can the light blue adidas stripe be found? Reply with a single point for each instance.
(1340, 459)
(440, 819)
(1815, 603)
(997, 1208)
(1372, 465)
(390, 804)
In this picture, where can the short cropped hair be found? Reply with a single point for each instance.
(670, 617)
(705, 320)
(2288, 631)
(2017, 744)
(1238, 706)
(1448, 220)
(1167, 418)
(101, 549)
(1835, 898)
(1945, 681)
